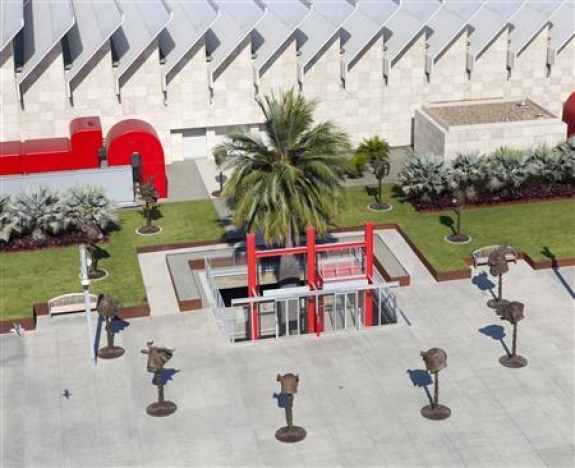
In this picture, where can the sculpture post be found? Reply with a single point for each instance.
(108, 308)
(497, 262)
(435, 360)
(458, 203)
(513, 312)
(289, 433)
(157, 357)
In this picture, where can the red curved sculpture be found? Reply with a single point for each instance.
(136, 136)
(569, 115)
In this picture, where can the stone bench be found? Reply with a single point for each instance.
(69, 303)
(480, 256)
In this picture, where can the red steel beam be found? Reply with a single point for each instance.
(369, 273)
(251, 257)
(311, 280)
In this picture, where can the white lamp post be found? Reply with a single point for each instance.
(85, 282)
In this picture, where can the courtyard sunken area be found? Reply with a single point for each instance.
(492, 112)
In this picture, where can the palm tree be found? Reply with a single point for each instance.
(88, 205)
(424, 175)
(544, 165)
(507, 169)
(7, 223)
(38, 211)
(567, 159)
(369, 152)
(291, 179)
(468, 172)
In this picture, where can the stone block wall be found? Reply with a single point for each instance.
(9, 105)
(430, 135)
(365, 105)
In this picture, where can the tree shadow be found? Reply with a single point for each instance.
(483, 282)
(98, 252)
(372, 192)
(447, 221)
(555, 267)
(156, 213)
(497, 332)
(421, 378)
(167, 375)
(397, 194)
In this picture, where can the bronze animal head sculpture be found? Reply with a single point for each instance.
(289, 383)
(497, 261)
(108, 306)
(435, 359)
(158, 356)
(381, 168)
(513, 311)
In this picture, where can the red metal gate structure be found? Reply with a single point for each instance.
(314, 280)
(569, 115)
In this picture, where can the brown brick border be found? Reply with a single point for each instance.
(143, 310)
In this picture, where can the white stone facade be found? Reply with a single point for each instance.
(365, 105)
(447, 141)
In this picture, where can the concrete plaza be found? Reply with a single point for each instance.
(360, 391)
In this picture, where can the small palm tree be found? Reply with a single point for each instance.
(424, 175)
(544, 166)
(566, 162)
(369, 151)
(468, 173)
(507, 170)
(291, 181)
(88, 204)
(39, 211)
(8, 225)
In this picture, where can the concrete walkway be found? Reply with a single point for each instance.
(359, 397)
(185, 182)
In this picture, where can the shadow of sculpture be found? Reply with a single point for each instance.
(555, 267)
(497, 332)
(421, 378)
(282, 399)
(483, 282)
(167, 375)
(447, 221)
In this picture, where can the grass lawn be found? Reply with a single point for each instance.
(29, 277)
(528, 228)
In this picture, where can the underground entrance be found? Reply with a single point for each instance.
(337, 288)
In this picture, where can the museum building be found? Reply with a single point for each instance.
(407, 70)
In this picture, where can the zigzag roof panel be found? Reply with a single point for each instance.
(365, 23)
(143, 22)
(405, 26)
(236, 21)
(190, 22)
(95, 24)
(45, 24)
(319, 27)
(562, 29)
(280, 22)
(11, 21)
(446, 25)
(493, 17)
(528, 22)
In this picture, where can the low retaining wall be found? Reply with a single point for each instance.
(41, 308)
